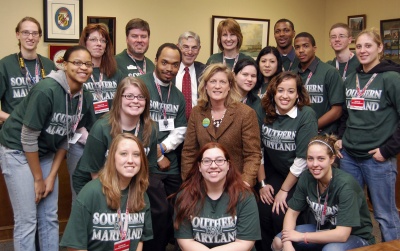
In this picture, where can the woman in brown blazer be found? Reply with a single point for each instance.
(221, 117)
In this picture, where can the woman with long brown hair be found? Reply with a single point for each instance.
(215, 195)
(114, 205)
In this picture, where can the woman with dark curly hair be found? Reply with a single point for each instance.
(289, 124)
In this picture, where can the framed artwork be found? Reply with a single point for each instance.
(390, 31)
(62, 20)
(255, 34)
(56, 54)
(356, 23)
(110, 22)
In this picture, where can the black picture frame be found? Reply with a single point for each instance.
(110, 22)
(62, 20)
(390, 33)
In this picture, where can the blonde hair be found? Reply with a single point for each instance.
(327, 141)
(374, 34)
(211, 70)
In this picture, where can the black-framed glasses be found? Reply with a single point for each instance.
(80, 63)
(27, 33)
(132, 97)
(208, 162)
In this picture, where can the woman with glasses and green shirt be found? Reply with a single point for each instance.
(102, 83)
(34, 141)
(19, 72)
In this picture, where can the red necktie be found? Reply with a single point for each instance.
(187, 92)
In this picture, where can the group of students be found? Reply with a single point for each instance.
(255, 126)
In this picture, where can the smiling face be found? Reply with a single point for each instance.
(246, 79)
(78, 74)
(28, 43)
(286, 95)
(319, 162)
(367, 51)
(94, 44)
(284, 34)
(135, 107)
(218, 86)
(214, 174)
(167, 64)
(127, 161)
(268, 65)
(138, 42)
(229, 40)
(339, 39)
(190, 49)
(305, 51)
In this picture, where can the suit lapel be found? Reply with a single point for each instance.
(210, 129)
(226, 122)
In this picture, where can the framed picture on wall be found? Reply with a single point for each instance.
(255, 34)
(390, 31)
(62, 20)
(110, 22)
(56, 54)
(356, 23)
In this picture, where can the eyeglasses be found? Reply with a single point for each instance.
(27, 33)
(96, 40)
(341, 37)
(80, 63)
(208, 162)
(186, 48)
(132, 97)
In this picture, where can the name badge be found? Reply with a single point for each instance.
(122, 245)
(357, 104)
(101, 106)
(75, 138)
(131, 67)
(166, 125)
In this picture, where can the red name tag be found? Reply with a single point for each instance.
(357, 104)
(101, 107)
(122, 245)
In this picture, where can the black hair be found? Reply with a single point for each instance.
(306, 35)
(268, 50)
(72, 49)
(284, 20)
(171, 46)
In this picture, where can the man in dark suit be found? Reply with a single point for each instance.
(189, 44)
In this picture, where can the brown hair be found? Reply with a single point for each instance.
(137, 23)
(109, 178)
(341, 25)
(108, 63)
(211, 70)
(268, 102)
(193, 190)
(114, 115)
(231, 26)
(30, 19)
(325, 140)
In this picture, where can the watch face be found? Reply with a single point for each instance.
(59, 59)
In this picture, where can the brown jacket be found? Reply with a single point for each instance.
(239, 133)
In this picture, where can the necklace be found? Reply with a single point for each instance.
(217, 122)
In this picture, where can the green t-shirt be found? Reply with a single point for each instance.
(175, 109)
(106, 90)
(325, 88)
(213, 226)
(96, 151)
(287, 138)
(91, 225)
(44, 109)
(13, 84)
(351, 67)
(372, 127)
(255, 104)
(129, 68)
(346, 204)
(218, 58)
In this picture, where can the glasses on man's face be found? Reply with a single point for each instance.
(341, 37)
(208, 162)
(27, 33)
(132, 97)
(96, 40)
(80, 63)
(186, 48)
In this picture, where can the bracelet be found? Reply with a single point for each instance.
(262, 183)
(162, 149)
(305, 238)
(284, 190)
(161, 158)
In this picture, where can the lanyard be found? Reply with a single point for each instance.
(159, 93)
(345, 68)
(123, 227)
(244, 100)
(136, 129)
(290, 66)
(98, 87)
(138, 67)
(234, 63)
(323, 212)
(78, 110)
(360, 93)
(309, 77)
(25, 72)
